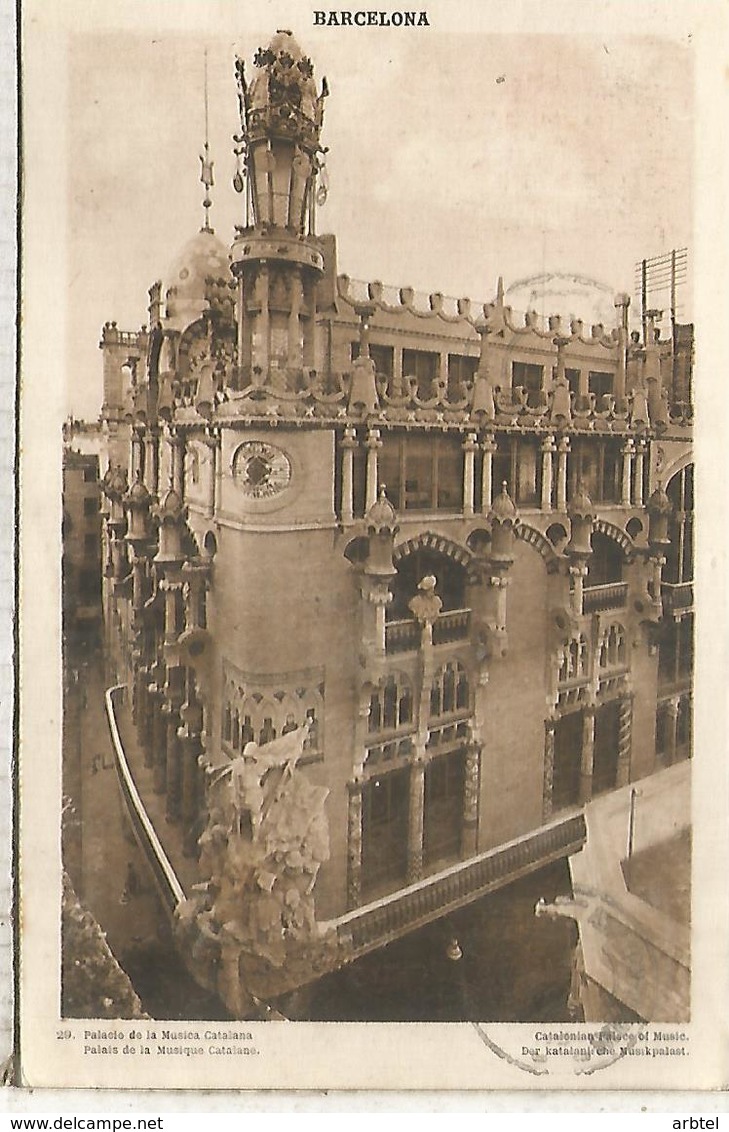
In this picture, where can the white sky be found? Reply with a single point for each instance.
(441, 177)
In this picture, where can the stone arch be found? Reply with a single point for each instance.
(668, 471)
(449, 562)
(619, 536)
(536, 539)
(429, 540)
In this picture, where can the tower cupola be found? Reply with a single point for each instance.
(276, 256)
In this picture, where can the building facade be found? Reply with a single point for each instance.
(420, 567)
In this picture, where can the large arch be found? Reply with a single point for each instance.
(618, 535)
(423, 555)
(535, 538)
(429, 540)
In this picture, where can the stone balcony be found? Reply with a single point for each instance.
(600, 599)
(373, 925)
(678, 597)
(404, 636)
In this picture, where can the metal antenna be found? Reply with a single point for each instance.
(206, 172)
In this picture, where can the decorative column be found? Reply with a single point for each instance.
(136, 462)
(627, 471)
(415, 824)
(503, 518)
(469, 839)
(671, 729)
(295, 359)
(659, 511)
(349, 443)
(625, 740)
(470, 447)
(548, 780)
(159, 742)
(548, 450)
(262, 357)
(151, 459)
(622, 303)
(378, 569)
(177, 460)
(173, 811)
(488, 447)
(638, 478)
(310, 327)
(212, 440)
(563, 449)
(579, 548)
(191, 749)
(354, 845)
(373, 445)
(588, 754)
(397, 390)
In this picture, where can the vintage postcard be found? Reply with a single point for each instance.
(372, 690)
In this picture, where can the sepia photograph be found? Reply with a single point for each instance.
(373, 420)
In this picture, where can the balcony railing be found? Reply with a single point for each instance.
(677, 596)
(392, 916)
(404, 636)
(455, 625)
(597, 599)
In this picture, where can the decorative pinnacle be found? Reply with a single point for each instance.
(206, 170)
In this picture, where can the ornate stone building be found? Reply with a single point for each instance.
(445, 551)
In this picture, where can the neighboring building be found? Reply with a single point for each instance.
(81, 547)
(416, 546)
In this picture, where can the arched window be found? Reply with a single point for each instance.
(605, 564)
(412, 568)
(391, 704)
(450, 691)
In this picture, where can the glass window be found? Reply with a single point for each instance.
(529, 377)
(600, 383)
(423, 365)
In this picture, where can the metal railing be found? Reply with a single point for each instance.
(168, 885)
(392, 916)
(597, 599)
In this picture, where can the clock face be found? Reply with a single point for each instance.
(261, 470)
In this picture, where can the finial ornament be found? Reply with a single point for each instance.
(206, 165)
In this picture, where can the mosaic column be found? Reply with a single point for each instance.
(470, 799)
(548, 779)
(563, 449)
(469, 456)
(415, 825)
(373, 445)
(548, 450)
(354, 845)
(625, 740)
(488, 447)
(588, 754)
(349, 443)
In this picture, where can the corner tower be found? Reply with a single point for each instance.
(276, 256)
